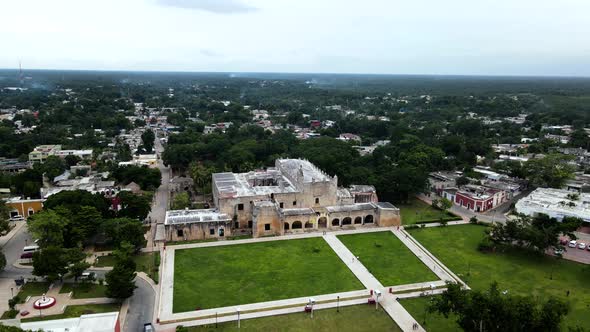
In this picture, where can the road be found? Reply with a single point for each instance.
(160, 205)
(141, 307)
(12, 250)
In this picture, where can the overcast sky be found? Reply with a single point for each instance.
(496, 37)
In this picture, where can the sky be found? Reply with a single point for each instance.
(459, 37)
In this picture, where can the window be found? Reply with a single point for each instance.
(31, 212)
(240, 207)
(267, 227)
(179, 233)
(317, 200)
(281, 205)
(249, 223)
(294, 203)
(237, 224)
(211, 231)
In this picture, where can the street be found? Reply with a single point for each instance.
(141, 307)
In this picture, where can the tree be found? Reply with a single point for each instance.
(48, 227)
(121, 230)
(82, 225)
(72, 160)
(461, 181)
(133, 206)
(201, 175)
(53, 262)
(494, 311)
(148, 138)
(537, 233)
(4, 224)
(74, 199)
(77, 269)
(119, 280)
(551, 171)
(52, 167)
(181, 201)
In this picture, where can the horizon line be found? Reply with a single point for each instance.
(295, 73)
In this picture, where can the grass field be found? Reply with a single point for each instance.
(32, 289)
(145, 263)
(517, 271)
(84, 290)
(387, 258)
(416, 211)
(78, 310)
(256, 272)
(358, 318)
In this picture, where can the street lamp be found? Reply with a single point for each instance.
(238, 310)
(377, 294)
(311, 303)
(338, 304)
(12, 291)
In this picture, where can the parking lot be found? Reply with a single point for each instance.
(576, 254)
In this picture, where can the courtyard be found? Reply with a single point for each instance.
(387, 258)
(516, 271)
(221, 276)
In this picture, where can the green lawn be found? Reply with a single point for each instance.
(84, 290)
(434, 322)
(257, 272)
(32, 289)
(78, 310)
(358, 318)
(387, 258)
(416, 211)
(145, 262)
(517, 271)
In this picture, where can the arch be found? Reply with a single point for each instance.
(346, 221)
(309, 224)
(369, 219)
(335, 222)
(30, 212)
(296, 225)
(358, 220)
(286, 226)
(322, 222)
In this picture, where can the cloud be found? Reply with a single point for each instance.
(212, 6)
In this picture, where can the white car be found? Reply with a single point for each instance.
(582, 245)
(17, 218)
(558, 252)
(572, 244)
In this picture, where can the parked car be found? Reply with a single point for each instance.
(563, 241)
(148, 327)
(572, 244)
(582, 245)
(16, 218)
(558, 252)
(88, 276)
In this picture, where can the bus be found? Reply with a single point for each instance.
(28, 251)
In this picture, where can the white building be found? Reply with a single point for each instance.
(107, 322)
(556, 203)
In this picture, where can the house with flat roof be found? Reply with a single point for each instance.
(105, 322)
(556, 203)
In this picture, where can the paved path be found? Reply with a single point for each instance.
(357, 268)
(402, 318)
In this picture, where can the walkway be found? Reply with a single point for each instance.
(402, 318)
